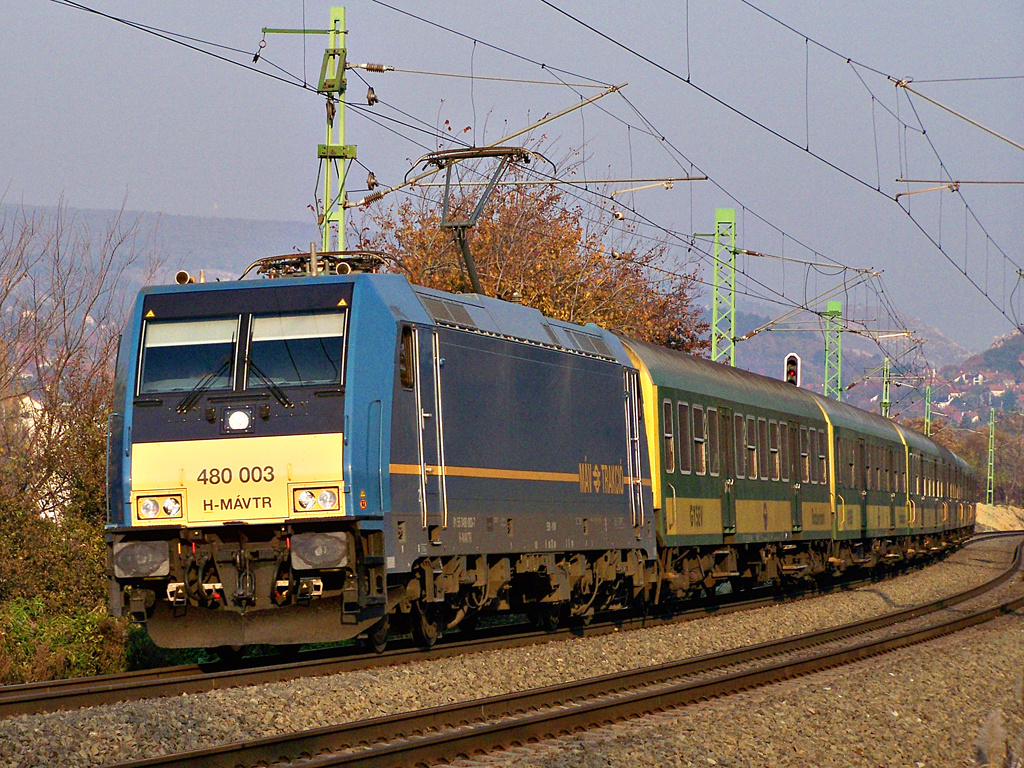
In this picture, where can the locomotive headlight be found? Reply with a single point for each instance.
(172, 507)
(238, 421)
(328, 499)
(306, 499)
(148, 509)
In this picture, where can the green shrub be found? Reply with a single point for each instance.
(36, 644)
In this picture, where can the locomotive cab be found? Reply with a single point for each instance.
(237, 514)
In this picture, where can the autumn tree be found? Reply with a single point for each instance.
(538, 245)
(64, 291)
(972, 446)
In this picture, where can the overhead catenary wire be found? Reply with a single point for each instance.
(295, 81)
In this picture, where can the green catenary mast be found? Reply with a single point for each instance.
(331, 216)
(833, 350)
(990, 488)
(723, 307)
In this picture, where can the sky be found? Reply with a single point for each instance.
(786, 107)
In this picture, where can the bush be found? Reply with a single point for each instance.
(36, 644)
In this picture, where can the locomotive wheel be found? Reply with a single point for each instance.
(377, 638)
(425, 624)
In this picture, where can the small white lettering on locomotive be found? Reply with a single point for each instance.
(238, 502)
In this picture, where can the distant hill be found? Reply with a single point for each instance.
(221, 247)
(1005, 356)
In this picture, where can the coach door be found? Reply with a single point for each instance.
(633, 437)
(728, 464)
(862, 477)
(794, 465)
(433, 490)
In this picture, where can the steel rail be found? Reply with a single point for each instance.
(50, 696)
(445, 733)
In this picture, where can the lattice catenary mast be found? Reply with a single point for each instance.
(723, 307)
(833, 316)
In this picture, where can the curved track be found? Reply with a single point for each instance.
(445, 733)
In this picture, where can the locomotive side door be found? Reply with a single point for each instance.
(429, 407)
(634, 465)
(728, 465)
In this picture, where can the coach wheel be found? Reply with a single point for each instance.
(546, 616)
(424, 624)
(377, 637)
(230, 654)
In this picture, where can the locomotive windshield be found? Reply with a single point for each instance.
(284, 350)
(179, 354)
(297, 350)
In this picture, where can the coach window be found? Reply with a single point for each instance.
(762, 448)
(684, 438)
(670, 441)
(713, 446)
(700, 455)
(406, 368)
(879, 453)
(823, 456)
(773, 448)
(739, 443)
(752, 447)
(812, 454)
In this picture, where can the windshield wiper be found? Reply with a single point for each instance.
(275, 390)
(201, 386)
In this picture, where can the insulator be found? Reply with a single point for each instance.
(378, 68)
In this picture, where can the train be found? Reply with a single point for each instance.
(329, 452)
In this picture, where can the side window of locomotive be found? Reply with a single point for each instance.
(296, 350)
(739, 444)
(685, 460)
(714, 449)
(181, 355)
(670, 441)
(700, 456)
(752, 447)
(406, 358)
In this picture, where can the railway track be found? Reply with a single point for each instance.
(36, 698)
(445, 733)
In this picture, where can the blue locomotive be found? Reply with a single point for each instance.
(339, 453)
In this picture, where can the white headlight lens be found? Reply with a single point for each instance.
(307, 500)
(172, 508)
(148, 509)
(328, 499)
(238, 421)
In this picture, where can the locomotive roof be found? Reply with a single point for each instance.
(474, 312)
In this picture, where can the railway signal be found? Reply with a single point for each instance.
(791, 371)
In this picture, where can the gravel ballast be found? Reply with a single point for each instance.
(109, 733)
